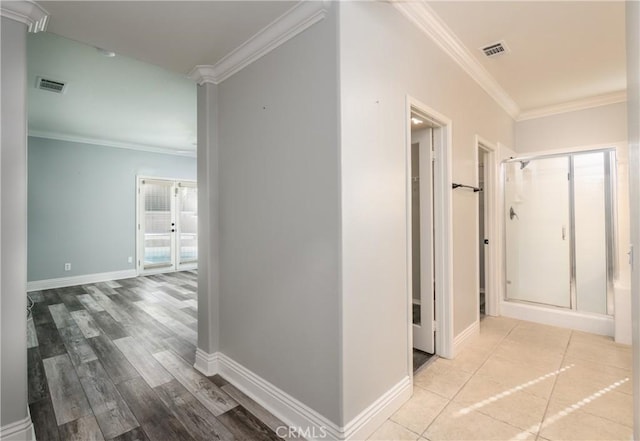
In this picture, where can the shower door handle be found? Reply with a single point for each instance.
(564, 232)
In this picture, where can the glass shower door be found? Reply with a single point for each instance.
(537, 224)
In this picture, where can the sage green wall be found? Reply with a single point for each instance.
(82, 204)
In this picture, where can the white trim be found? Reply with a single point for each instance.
(465, 337)
(492, 172)
(27, 12)
(297, 19)
(573, 106)
(110, 143)
(18, 431)
(435, 28)
(370, 419)
(208, 364)
(581, 321)
(84, 279)
(310, 424)
(443, 227)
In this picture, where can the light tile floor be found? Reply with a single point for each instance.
(521, 381)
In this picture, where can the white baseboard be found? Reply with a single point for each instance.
(19, 431)
(61, 282)
(310, 424)
(208, 364)
(370, 419)
(580, 321)
(462, 339)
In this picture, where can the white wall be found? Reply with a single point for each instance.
(383, 57)
(13, 223)
(596, 125)
(280, 218)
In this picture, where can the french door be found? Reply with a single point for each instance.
(167, 234)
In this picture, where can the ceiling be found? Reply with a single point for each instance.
(560, 52)
(176, 35)
(118, 101)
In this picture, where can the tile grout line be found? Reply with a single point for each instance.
(450, 400)
(553, 387)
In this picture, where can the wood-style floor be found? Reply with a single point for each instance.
(114, 361)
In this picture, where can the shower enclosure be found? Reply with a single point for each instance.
(559, 226)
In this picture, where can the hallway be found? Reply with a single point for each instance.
(521, 380)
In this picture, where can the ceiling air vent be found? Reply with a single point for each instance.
(495, 49)
(51, 85)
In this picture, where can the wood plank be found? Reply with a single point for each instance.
(191, 311)
(258, 411)
(113, 361)
(44, 420)
(210, 395)
(152, 371)
(37, 380)
(85, 322)
(184, 349)
(157, 421)
(77, 347)
(82, 429)
(50, 297)
(109, 326)
(67, 396)
(169, 322)
(199, 422)
(245, 426)
(89, 304)
(112, 413)
(177, 294)
(136, 434)
(147, 337)
(50, 342)
(115, 311)
(32, 336)
(41, 314)
(218, 380)
(61, 316)
(36, 296)
(70, 299)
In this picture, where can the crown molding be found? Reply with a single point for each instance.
(573, 106)
(430, 24)
(110, 143)
(297, 19)
(28, 12)
(203, 74)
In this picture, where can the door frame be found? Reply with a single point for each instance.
(139, 242)
(492, 263)
(443, 231)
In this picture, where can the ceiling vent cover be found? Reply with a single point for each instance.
(495, 49)
(51, 85)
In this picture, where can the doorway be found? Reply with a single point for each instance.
(167, 234)
(422, 256)
(429, 235)
(483, 241)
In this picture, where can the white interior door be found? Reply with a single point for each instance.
(423, 269)
(167, 225)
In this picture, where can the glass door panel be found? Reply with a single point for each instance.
(590, 232)
(187, 223)
(538, 261)
(157, 223)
